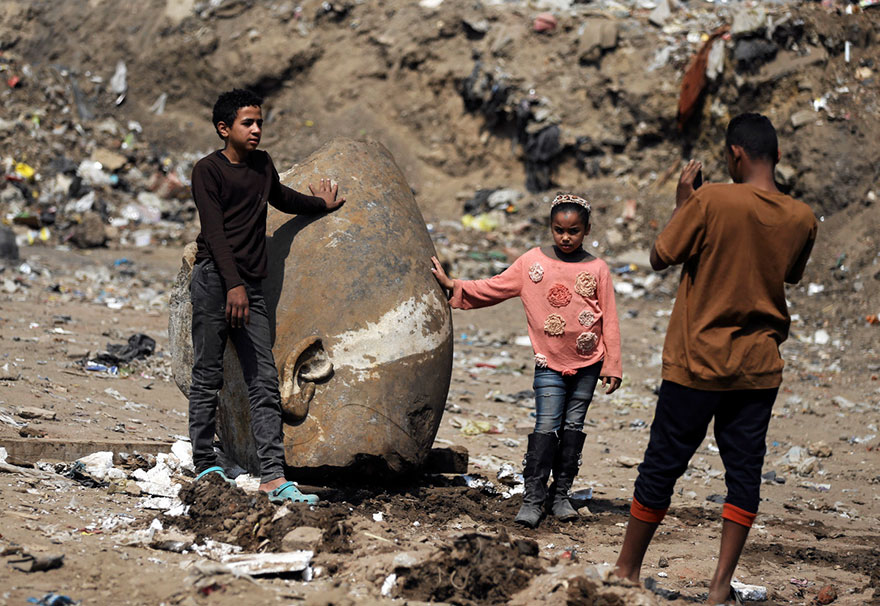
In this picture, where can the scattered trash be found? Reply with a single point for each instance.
(544, 23)
(261, 564)
(37, 563)
(139, 346)
(694, 80)
(749, 593)
(815, 487)
(54, 599)
(473, 428)
(388, 584)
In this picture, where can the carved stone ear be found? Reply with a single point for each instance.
(306, 364)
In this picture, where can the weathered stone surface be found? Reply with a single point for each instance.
(180, 322)
(352, 288)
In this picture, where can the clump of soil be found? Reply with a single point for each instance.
(587, 592)
(477, 568)
(440, 505)
(228, 514)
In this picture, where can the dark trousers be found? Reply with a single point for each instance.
(680, 424)
(254, 347)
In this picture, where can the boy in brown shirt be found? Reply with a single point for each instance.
(738, 243)
(232, 189)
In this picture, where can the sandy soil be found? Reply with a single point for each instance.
(815, 529)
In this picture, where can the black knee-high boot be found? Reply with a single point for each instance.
(565, 470)
(536, 471)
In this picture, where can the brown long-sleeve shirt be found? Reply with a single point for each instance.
(232, 203)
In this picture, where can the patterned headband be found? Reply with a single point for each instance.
(569, 199)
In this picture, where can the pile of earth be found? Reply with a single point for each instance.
(476, 568)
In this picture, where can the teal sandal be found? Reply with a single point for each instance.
(219, 471)
(289, 493)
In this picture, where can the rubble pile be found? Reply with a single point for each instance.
(76, 173)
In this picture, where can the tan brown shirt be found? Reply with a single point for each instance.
(737, 244)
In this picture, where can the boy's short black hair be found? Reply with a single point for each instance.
(756, 135)
(582, 212)
(228, 104)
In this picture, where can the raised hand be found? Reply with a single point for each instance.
(686, 182)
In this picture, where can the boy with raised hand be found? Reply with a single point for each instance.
(738, 243)
(231, 188)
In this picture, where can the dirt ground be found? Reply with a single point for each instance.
(394, 71)
(816, 529)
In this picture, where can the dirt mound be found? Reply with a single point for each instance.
(441, 504)
(583, 591)
(223, 513)
(477, 568)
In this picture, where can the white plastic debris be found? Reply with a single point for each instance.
(378, 516)
(821, 337)
(183, 451)
(118, 82)
(160, 503)
(750, 593)
(157, 481)
(507, 475)
(269, 563)
(388, 584)
(98, 464)
(791, 459)
(584, 494)
(215, 550)
(624, 288)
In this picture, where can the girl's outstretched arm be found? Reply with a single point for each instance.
(472, 294)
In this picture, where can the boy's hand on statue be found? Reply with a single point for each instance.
(686, 182)
(237, 308)
(327, 191)
(610, 384)
(444, 280)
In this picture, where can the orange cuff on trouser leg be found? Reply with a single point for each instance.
(738, 515)
(646, 514)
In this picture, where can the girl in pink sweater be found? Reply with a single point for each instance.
(569, 302)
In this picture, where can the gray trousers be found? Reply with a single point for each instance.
(254, 347)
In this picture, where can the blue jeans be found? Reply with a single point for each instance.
(562, 402)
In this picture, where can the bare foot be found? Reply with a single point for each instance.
(272, 484)
(626, 573)
(719, 596)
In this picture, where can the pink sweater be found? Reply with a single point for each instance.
(570, 309)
